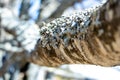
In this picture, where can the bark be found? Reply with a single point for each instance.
(100, 45)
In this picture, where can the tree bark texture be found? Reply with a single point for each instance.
(100, 45)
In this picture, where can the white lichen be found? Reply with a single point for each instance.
(66, 27)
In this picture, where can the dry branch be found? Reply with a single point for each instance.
(87, 37)
(98, 43)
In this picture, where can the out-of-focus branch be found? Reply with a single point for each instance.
(54, 9)
(64, 5)
(17, 39)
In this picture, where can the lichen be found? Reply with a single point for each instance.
(65, 28)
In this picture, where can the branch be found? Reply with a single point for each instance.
(64, 5)
(86, 37)
(54, 9)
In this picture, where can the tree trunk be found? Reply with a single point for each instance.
(100, 45)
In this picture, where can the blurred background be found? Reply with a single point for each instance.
(19, 32)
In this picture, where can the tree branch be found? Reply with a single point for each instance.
(81, 39)
(87, 37)
(64, 5)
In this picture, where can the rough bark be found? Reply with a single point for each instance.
(100, 45)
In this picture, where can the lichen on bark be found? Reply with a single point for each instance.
(99, 44)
